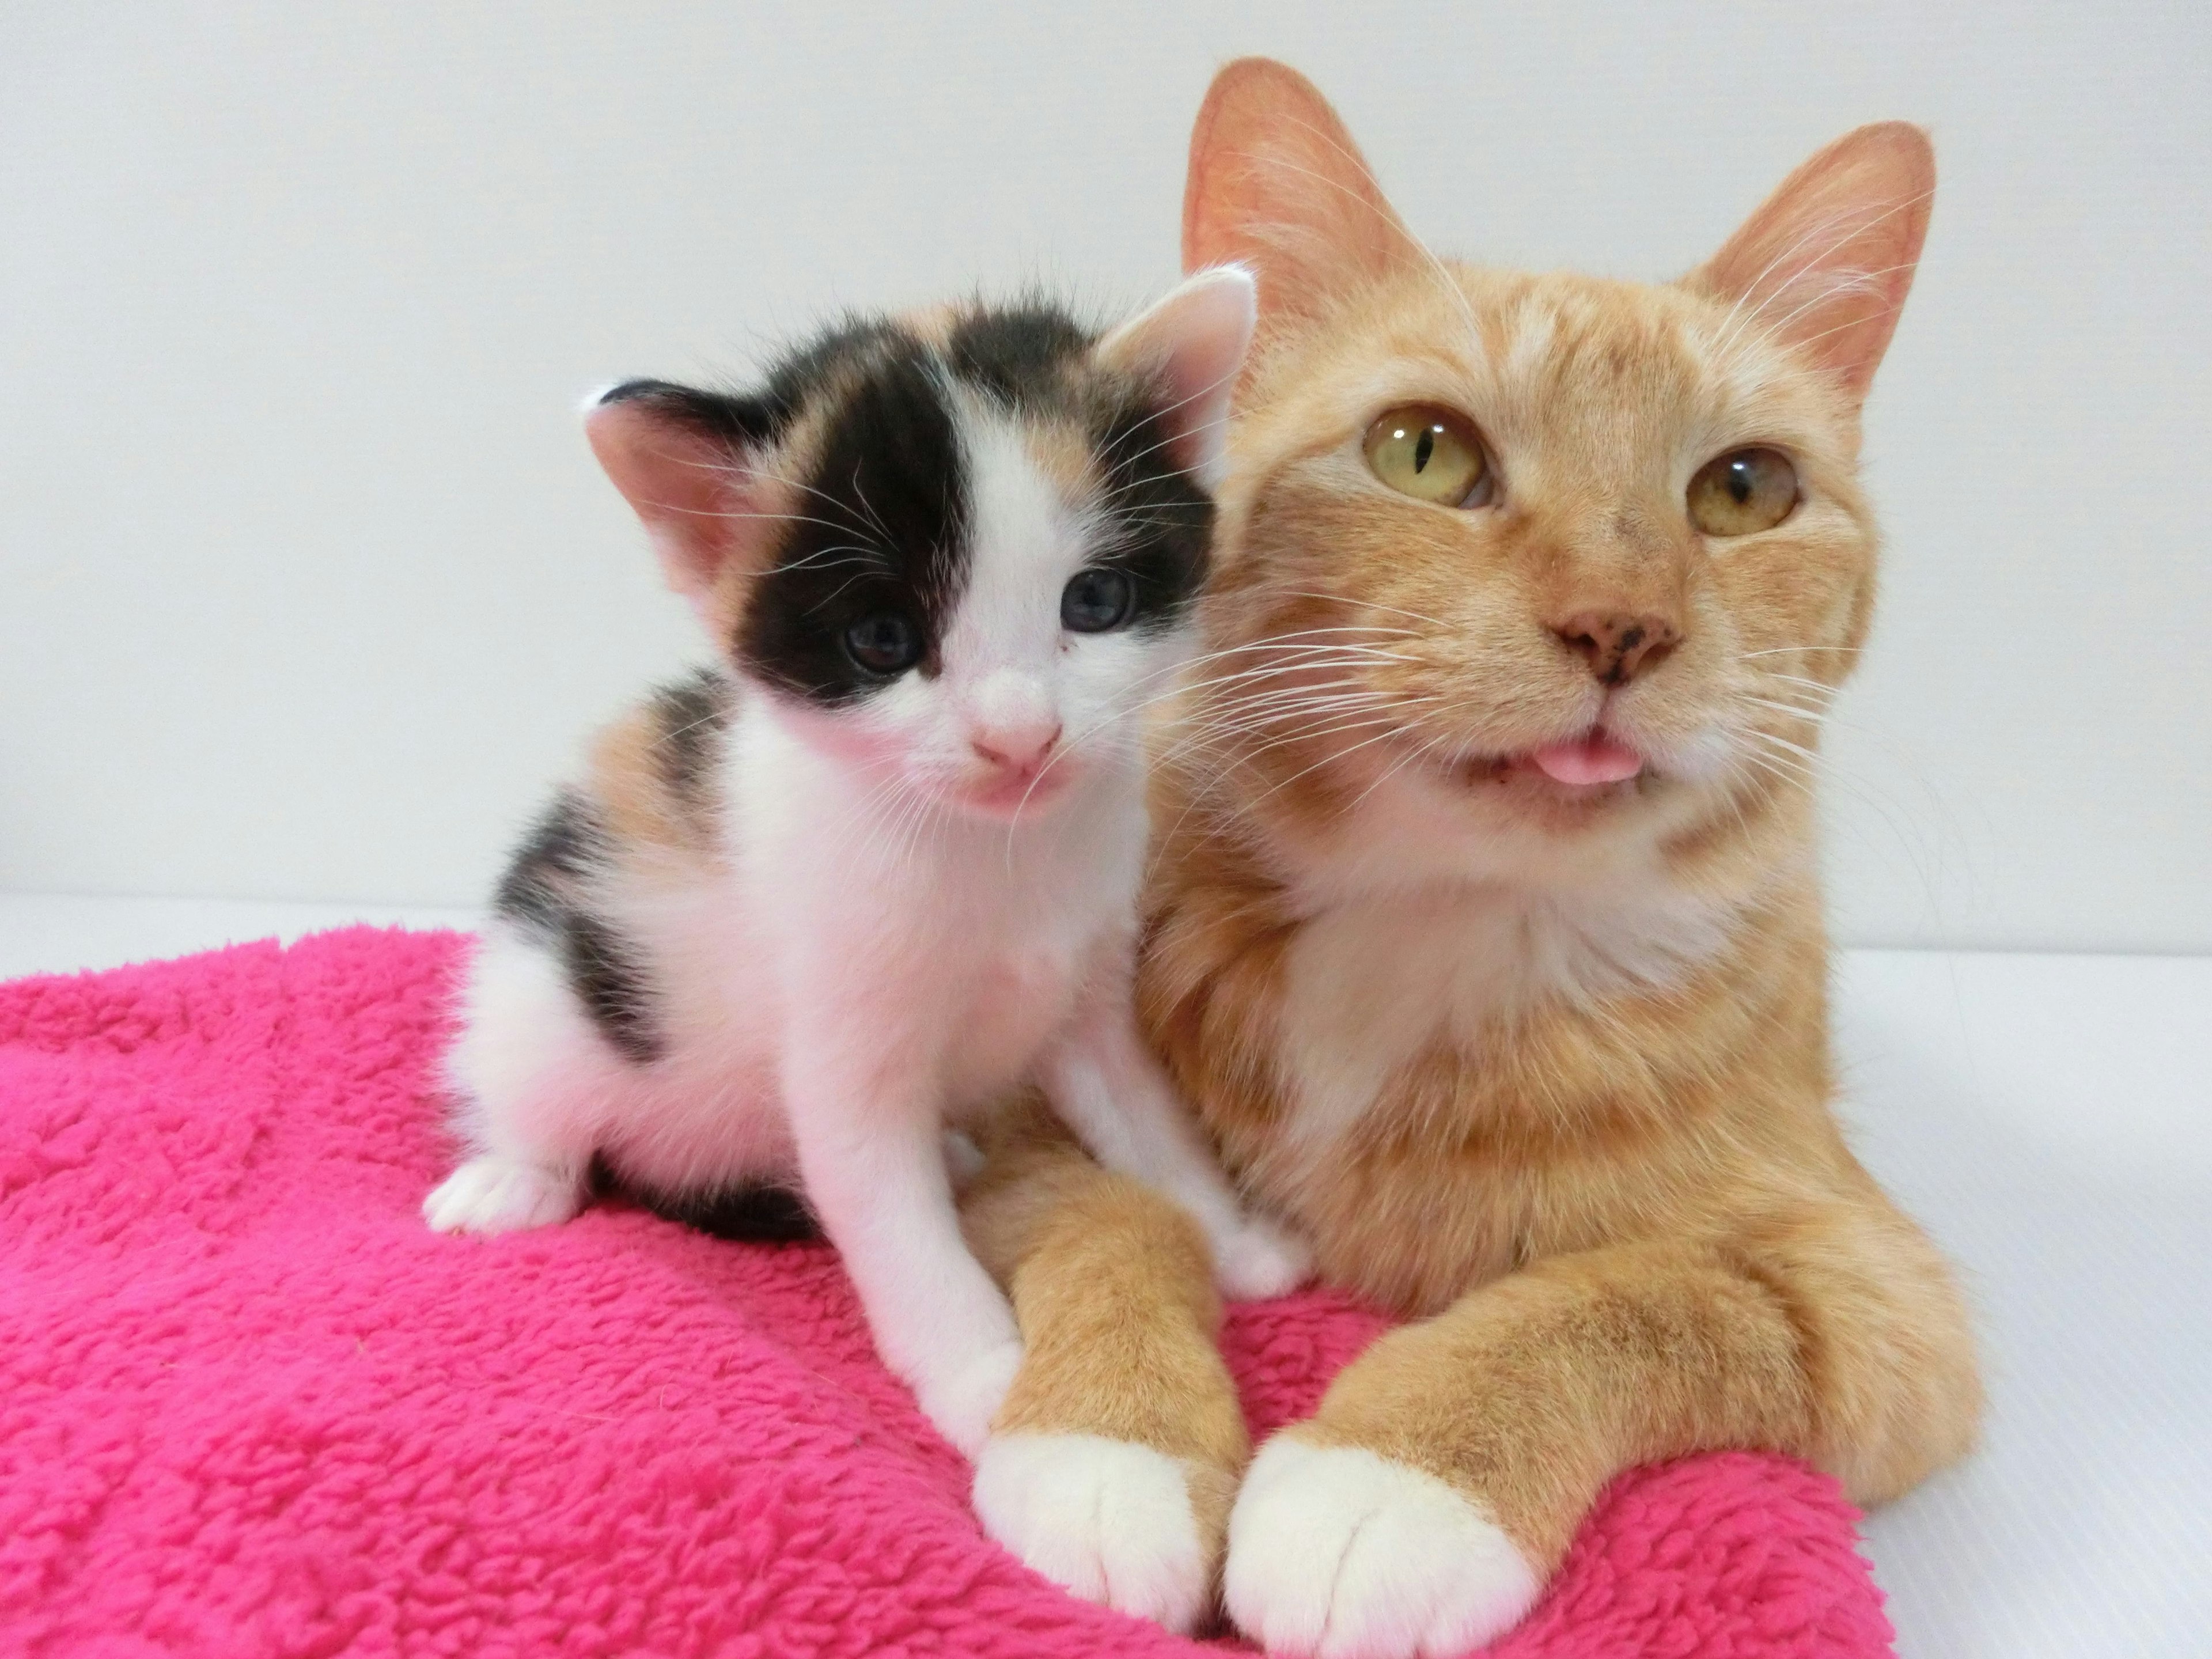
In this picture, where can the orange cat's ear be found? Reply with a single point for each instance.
(1277, 184)
(1825, 263)
(683, 460)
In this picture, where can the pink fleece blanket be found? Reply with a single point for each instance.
(250, 1406)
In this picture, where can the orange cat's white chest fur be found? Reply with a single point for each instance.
(1375, 979)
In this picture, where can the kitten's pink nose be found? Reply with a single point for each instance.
(1016, 748)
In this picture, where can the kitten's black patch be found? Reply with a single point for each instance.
(563, 846)
(610, 981)
(885, 512)
(544, 890)
(1021, 356)
(756, 1212)
(803, 376)
(688, 718)
(1163, 521)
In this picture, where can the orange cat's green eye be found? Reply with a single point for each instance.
(1743, 492)
(1430, 454)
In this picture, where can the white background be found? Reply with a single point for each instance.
(308, 585)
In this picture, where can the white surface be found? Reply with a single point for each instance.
(2043, 1114)
(308, 583)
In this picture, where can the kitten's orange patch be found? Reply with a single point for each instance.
(1064, 455)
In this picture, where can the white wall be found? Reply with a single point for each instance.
(308, 582)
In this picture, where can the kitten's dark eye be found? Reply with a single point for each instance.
(886, 645)
(1096, 600)
(1743, 492)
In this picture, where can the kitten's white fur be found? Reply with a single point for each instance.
(886, 950)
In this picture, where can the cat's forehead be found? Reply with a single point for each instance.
(1542, 360)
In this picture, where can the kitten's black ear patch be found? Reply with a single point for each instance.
(741, 423)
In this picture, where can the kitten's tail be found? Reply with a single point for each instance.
(754, 1213)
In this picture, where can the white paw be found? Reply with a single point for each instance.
(1337, 1553)
(501, 1195)
(963, 1401)
(1108, 1519)
(1256, 1260)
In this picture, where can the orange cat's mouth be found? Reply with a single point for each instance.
(1579, 768)
(1596, 757)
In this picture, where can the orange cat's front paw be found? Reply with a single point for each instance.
(1337, 1553)
(1110, 1520)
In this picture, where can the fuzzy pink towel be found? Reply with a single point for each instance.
(250, 1406)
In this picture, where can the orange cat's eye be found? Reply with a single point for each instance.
(1743, 492)
(1430, 454)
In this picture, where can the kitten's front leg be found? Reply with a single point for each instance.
(871, 1157)
(1108, 1087)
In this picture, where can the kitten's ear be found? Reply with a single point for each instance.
(1190, 345)
(1826, 263)
(1276, 183)
(683, 460)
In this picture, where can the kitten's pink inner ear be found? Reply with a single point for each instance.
(1191, 346)
(1826, 261)
(692, 492)
(1276, 183)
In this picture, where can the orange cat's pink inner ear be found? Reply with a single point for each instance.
(1825, 263)
(1277, 184)
(692, 492)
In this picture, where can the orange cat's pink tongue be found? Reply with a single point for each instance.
(1593, 759)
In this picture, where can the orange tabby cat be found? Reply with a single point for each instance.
(1486, 931)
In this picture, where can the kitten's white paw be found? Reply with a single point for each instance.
(1108, 1519)
(1337, 1553)
(963, 1403)
(1256, 1260)
(501, 1195)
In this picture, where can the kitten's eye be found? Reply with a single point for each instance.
(1095, 601)
(1743, 492)
(1430, 454)
(884, 645)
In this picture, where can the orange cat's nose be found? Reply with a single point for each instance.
(1618, 646)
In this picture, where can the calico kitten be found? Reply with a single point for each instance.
(1486, 934)
(876, 870)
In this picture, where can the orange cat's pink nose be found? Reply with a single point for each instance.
(1618, 646)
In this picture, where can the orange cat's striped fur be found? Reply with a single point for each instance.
(1485, 933)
